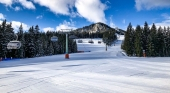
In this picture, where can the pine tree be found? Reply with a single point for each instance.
(165, 43)
(40, 45)
(38, 41)
(50, 49)
(150, 46)
(109, 37)
(75, 47)
(151, 41)
(146, 32)
(3, 40)
(61, 43)
(160, 41)
(168, 41)
(44, 43)
(10, 36)
(72, 46)
(128, 45)
(30, 45)
(22, 40)
(138, 43)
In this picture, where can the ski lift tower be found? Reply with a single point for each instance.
(66, 31)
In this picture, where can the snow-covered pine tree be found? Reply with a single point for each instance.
(30, 45)
(44, 43)
(22, 40)
(168, 41)
(3, 40)
(38, 41)
(7, 36)
(61, 43)
(146, 32)
(151, 41)
(50, 49)
(165, 37)
(41, 49)
(150, 46)
(160, 41)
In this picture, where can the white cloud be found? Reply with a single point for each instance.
(92, 10)
(66, 25)
(24, 3)
(27, 4)
(166, 16)
(2, 17)
(48, 29)
(111, 23)
(39, 17)
(17, 8)
(16, 25)
(164, 23)
(57, 6)
(150, 4)
(6, 2)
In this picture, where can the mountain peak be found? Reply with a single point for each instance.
(94, 28)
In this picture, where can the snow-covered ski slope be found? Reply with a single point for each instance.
(98, 71)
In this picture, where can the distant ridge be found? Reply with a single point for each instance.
(98, 27)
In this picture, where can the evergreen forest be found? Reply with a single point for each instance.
(149, 41)
(34, 43)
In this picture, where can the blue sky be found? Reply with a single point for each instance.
(62, 14)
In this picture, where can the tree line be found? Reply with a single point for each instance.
(87, 34)
(151, 41)
(34, 43)
(109, 37)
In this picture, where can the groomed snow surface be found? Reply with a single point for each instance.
(98, 71)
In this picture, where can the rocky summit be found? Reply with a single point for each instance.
(98, 28)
